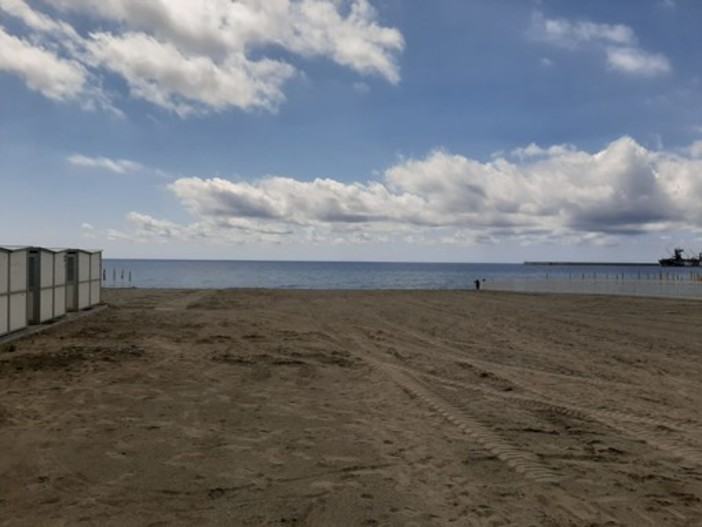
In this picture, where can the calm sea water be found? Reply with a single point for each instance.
(349, 275)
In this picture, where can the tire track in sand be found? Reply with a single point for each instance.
(528, 464)
(457, 352)
(632, 426)
(525, 463)
(522, 462)
(656, 433)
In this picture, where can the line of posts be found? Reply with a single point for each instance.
(660, 276)
(125, 277)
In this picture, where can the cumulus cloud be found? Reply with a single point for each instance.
(533, 194)
(147, 229)
(161, 74)
(42, 69)
(637, 62)
(35, 20)
(307, 27)
(194, 56)
(618, 42)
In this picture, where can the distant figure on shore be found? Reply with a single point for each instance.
(477, 284)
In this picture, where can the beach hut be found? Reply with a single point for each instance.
(46, 284)
(83, 279)
(59, 282)
(13, 289)
(95, 278)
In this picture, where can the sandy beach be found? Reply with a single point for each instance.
(377, 408)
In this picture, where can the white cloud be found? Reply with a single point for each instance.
(306, 27)
(192, 56)
(534, 150)
(637, 62)
(118, 166)
(163, 75)
(278, 199)
(41, 69)
(618, 42)
(88, 231)
(536, 194)
(563, 32)
(35, 20)
(149, 228)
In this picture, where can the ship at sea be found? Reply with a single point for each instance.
(678, 260)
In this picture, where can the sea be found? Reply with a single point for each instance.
(218, 274)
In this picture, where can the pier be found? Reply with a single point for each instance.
(599, 264)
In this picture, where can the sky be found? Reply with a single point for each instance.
(375, 130)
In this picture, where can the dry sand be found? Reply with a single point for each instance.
(302, 408)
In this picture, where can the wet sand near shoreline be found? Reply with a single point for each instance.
(356, 408)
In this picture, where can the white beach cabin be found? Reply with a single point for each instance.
(46, 284)
(13, 288)
(83, 279)
(95, 278)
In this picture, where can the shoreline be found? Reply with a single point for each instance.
(604, 286)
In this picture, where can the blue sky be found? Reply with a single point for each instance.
(451, 130)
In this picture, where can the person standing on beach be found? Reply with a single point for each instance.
(477, 284)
